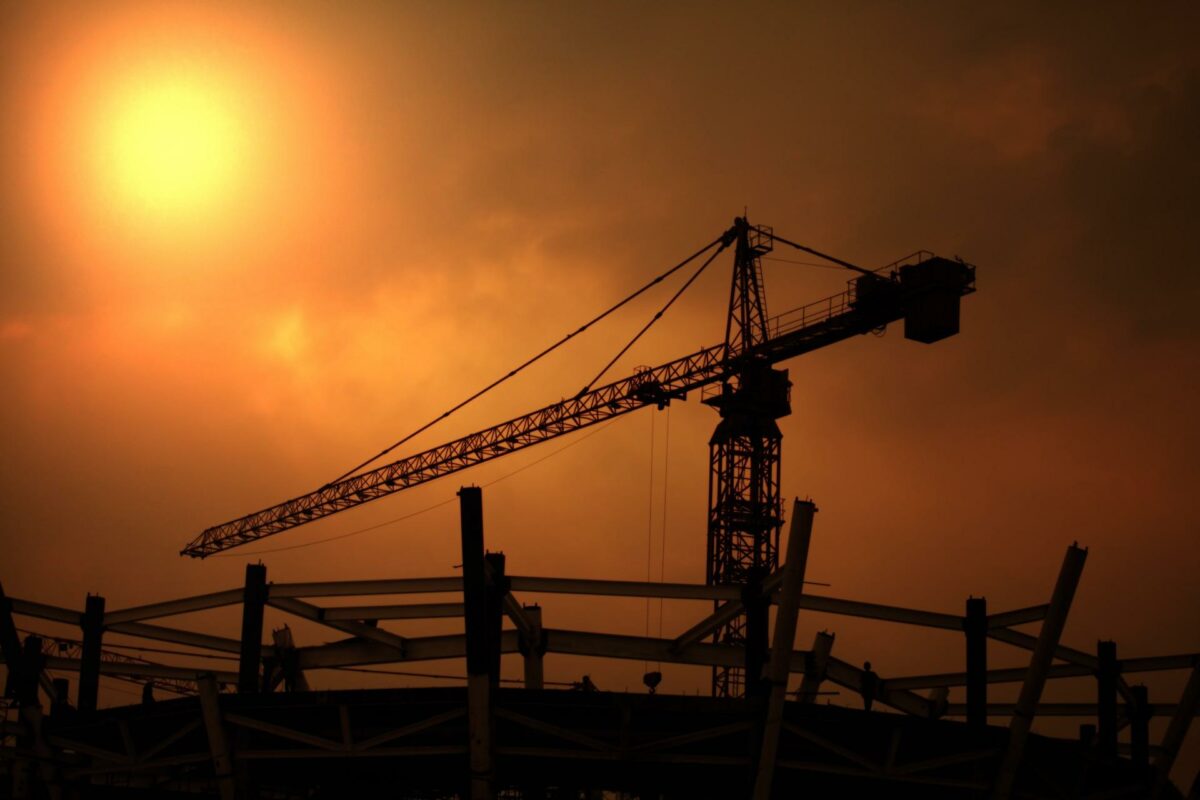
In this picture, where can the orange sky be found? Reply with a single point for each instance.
(360, 218)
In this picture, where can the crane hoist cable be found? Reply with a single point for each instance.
(719, 240)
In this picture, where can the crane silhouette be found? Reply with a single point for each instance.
(737, 377)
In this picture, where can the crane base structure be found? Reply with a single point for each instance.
(244, 721)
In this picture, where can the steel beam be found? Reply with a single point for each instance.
(170, 608)
(1059, 709)
(143, 630)
(356, 652)
(452, 585)
(318, 615)
(1028, 642)
(1017, 674)
(1035, 678)
(814, 669)
(139, 669)
(855, 608)
(412, 611)
(851, 677)
(725, 613)
(637, 648)
(28, 608)
(779, 667)
(673, 591)
(1019, 616)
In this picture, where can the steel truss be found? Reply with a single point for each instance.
(563, 735)
(810, 327)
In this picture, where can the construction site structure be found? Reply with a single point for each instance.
(249, 725)
(744, 506)
(246, 722)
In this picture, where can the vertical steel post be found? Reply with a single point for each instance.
(1039, 665)
(61, 702)
(778, 671)
(31, 670)
(975, 625)
(1106, 700)
(475, 618)
(92, 625)
(757, 635)
(218, 741)
(1139, 727)
(254, 597)
(496, 589)
(533, 648)
(10, 646)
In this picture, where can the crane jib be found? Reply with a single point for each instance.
(925, 294)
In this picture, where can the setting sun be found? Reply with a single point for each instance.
(172, 144)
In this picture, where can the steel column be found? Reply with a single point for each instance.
(32, 661)
(758, 609)
(288, 660)
(1039, 664)
(10, 645)
(254, 597)
(218, 742)
(92, 625)
(533, 648)
(1139, 727)
(1106, 699)
(975, 625)
(497, 589)
(476, 619)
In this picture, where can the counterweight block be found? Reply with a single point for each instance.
(931, 313)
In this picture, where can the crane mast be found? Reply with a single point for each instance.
(744, 502)
(736, 377)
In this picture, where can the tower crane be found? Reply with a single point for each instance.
(737, 377)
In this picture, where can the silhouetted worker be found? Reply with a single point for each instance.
(148, 693)
(587, 685)
(870, 685)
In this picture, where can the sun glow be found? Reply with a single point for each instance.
(172, 146)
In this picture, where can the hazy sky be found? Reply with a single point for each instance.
(247, 245)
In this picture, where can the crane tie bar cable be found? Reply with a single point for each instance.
(653, 320)
(721, 240)
(818, 253)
